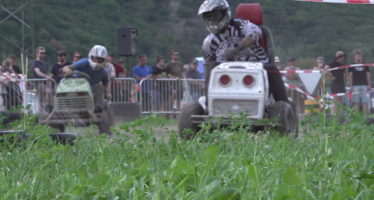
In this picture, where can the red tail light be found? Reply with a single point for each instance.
(225, 80)
(248, 80)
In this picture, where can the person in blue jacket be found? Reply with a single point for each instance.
(93, 67)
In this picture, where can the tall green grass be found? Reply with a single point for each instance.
(330, 161)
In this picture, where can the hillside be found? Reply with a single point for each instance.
(301, 30)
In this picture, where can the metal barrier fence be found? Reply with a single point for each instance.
(124, 90)
(11, 93)
(39, 95)
(154, 95)
(168, 95)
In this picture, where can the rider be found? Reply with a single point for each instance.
(235, 40)
(93, 67)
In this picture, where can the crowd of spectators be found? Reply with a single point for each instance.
(347, 85)
(162, 84)
(157, 93)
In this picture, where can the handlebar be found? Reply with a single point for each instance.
(77, 74)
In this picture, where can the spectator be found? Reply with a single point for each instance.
(15, 88)
(119, 70)
(196, 87)
(359, 83)
(44, 89)
(122, 63)
(192, 72)
(160, 70)
(77, 56)
(4, 85)
(321, 65)
(143, 72)
(201, 67)
(39, 68)
(16, 68)
(293, 79)
(57, 73)
(160, 95)
(186, 67)
(7, 66)
(175, 68)
(109, 68)
(10, 89)
(93, 66)
(337, 77)
(277, 62)
(121, 89)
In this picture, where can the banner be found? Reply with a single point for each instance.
(342, 1)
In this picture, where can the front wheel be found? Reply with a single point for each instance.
(284, 115)
(105, 122)
(63, 138)
(187, 129)
(59, 127)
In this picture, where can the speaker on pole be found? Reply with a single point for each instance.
(127, 41)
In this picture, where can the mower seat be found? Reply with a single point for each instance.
(253, 13)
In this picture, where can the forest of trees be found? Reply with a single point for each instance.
(300, 29)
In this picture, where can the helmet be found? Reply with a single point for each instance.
(96, 54)
(216, 14)
(276, 59)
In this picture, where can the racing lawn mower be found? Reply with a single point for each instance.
(241, 88)
(79, 104)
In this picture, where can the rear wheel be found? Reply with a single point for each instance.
(284, 115)
(186, 128)
(7, 117)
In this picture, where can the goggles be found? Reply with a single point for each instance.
(214, 16)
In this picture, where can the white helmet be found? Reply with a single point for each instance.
(216, 14)
(276, 59)
(97, 52)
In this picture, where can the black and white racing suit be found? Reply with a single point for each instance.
(214, 47)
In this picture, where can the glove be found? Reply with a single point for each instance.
(66, 70)
(230, 54)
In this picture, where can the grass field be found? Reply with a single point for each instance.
(330, 161)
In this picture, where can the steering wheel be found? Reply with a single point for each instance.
(77, 74)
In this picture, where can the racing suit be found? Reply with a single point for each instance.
(215, 46)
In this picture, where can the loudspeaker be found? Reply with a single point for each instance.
(127, 41)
